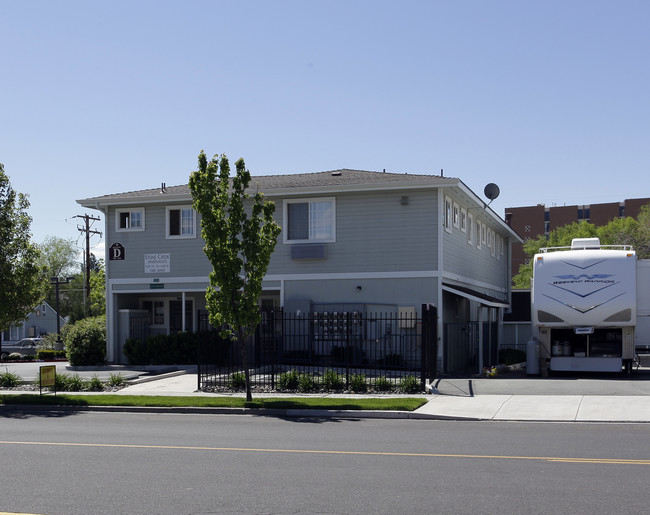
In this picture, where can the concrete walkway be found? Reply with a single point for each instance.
(514, 397)
(569, 407)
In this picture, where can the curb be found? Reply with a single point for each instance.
(260, 412)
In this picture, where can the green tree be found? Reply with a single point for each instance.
(619, 231)
(59, 256)
(97, 289)
(239, 240)
(560, 237)
(21, 276)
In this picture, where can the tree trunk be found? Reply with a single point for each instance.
(244, 356)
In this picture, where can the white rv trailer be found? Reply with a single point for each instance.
(584, 305)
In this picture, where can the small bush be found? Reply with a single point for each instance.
(73, 383)
(14, 356)
(237, 381)
(60, 380)
(511, 356)
(85, 342)
(289, 380)
(49, 354)
(95, 384)
(307, 383)
(116, 380)
(383, 385)
(9, 380)
(333, 381)
(410, 384)
(358, 383)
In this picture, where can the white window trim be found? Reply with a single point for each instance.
(448, 214)
(118, 212)
(285, 219)
(479, 232)
(456, 215)
(471, 228)
(463, 220)
(179, 236)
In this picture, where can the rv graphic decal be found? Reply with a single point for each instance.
(585, 309)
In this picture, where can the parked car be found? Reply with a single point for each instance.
(25, 347)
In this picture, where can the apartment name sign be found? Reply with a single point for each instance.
(157, 263)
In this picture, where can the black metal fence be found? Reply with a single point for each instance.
(315, 351)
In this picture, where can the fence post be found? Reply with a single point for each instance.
(429, 343)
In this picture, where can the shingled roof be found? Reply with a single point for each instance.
(334, 180)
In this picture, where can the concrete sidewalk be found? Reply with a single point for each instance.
(513, 397)
(499, 407)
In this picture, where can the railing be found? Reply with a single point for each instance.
(348, 350)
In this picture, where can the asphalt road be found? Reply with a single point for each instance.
(69, 463)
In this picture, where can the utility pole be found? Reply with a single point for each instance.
(88, 231)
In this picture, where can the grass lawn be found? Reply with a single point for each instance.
(383, 404)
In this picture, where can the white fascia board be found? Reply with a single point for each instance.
(161, 198)
(471, 283)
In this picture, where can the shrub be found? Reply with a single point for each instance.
(237, 381)
(73, 383)
(307, 383)
(175, 349)
(85, 342)
(511, 356)
(136, 352)
(60, 380)
(383, 385)
(333, 381)
(289, 380)
(116, 379)
(14, 356)
(49, 354)
(95, 384)
(9, 380)
(410, 384)
(358, 383)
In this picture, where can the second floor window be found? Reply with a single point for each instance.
(181, 222)
(310, 220)
(129, 219)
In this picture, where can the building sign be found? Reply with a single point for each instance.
(157, 263)
(116, 252)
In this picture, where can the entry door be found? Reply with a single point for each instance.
(176, 316)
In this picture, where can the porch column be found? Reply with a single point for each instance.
(183, 311)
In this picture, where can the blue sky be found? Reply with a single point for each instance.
(550, 100)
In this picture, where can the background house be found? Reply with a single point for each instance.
(351, 241)
(41, 321)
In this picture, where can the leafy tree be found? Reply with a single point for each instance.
(239, 240)
(21, 276)
(97, 289)
(59, 256)
(619, 231)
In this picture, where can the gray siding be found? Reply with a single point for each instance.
(186, 255)
(474, 263)
(374, 233)
(377, 292)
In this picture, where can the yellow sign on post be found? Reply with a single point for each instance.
(48, 377)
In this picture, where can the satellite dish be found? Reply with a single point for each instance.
(491, 191)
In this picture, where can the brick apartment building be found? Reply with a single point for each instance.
(533, 221)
